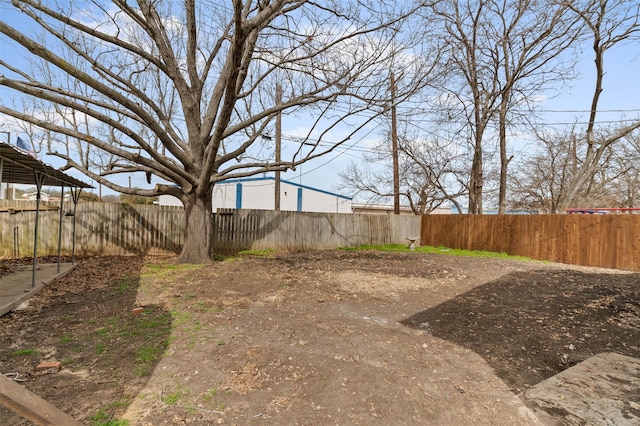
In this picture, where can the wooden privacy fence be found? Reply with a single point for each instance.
(607, 241)
(119, 229)
(101, 228)
(236, 230)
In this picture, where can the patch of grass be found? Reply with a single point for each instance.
(100, 348)
(435, 250)
(259, 253)
(147, 356)
(150, 331)
(164, 270)
(103, 417)
(66, 338)
(124, 285)
(25, 352)
(211, 397)
(172, 398)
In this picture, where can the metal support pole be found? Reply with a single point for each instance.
(35, 231)
(1, 170)
(278, 147)
(60, 225)
(75, 196)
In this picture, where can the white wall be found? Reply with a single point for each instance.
(259, 193)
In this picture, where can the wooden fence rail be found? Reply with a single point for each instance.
(607, 241)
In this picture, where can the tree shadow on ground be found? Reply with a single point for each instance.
(87, 321)
(531, 325)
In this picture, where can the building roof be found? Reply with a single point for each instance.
(21, 168)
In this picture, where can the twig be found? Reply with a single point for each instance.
(15, 377)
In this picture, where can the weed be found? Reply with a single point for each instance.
(103, 416)
(174, 397)
(102, 332)
(66, 338)
(24, 352)
(211, 397)
(100, 348)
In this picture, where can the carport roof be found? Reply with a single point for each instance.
(21, 168)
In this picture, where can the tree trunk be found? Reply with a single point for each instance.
(198, 228)
(504, 160)
(476, 180)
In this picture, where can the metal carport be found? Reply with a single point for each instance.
(17, 167)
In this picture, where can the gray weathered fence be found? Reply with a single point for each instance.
(236, 230)
(117, 229)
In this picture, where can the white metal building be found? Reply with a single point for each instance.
(259, 194)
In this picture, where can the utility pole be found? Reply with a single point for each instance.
(278, 145)
(394, 146)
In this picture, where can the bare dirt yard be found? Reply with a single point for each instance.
(314, 338)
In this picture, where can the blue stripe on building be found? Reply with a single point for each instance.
(238, 196)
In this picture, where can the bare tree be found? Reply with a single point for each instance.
(610, 23)
(431, 173)
(618, 181)
(502, 53)
(542, 178)
(184, 91)
(530, 38)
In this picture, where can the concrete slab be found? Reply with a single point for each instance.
(602, 390)
(16, 287)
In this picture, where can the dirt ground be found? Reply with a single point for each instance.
(327, 337)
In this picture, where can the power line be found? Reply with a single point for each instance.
(340, 154)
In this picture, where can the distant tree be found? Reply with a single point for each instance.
(542, 178)
(502, 53)
(621, 181)
(136, 199)
(88, 196)
(185, 91)
(609, 24)
(431, 173)
(111, 198)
